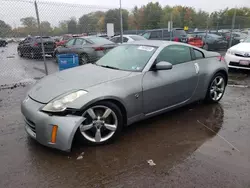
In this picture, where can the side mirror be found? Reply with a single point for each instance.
(163, 65)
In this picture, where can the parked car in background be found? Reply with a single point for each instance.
(32, 46)
(132, 82)
(195, 40)
(127, 38)
(177, 35)
(89, 48)
(66, 37)
(213, 41)
(3, 42)
(238, 56)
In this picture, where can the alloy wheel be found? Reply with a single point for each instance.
(100, 124)
(217, 88)
(84, 59)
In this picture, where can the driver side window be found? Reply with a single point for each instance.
(175, 54)
(70, 42)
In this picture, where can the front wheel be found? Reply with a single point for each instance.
(216, 88)
(102, 125)
(19, 53)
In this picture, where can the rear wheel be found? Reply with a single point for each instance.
(216, 88)
(102, 125)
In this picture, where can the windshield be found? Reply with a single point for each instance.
(100, 40)
(127, 57)
(137, 37)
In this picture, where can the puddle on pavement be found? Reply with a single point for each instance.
(166, 139)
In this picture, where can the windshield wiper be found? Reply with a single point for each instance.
(107, 66)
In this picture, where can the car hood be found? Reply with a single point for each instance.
(77, 78)
(241, 47)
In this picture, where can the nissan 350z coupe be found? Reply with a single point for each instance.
(131, 82)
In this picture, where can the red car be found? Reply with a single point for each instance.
(195, 41)
(66, 37)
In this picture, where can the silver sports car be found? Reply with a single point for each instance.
(130, 83)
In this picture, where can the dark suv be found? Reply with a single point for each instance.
(177, 34)
(32, 47)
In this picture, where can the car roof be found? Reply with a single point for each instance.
(164, 29)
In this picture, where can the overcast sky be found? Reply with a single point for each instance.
(13, 10)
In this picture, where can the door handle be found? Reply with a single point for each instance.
(197, 68)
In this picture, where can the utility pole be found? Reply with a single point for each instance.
(121, 24)
(40, 33)
(171, 26)
(233, 22)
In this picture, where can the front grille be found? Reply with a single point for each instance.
(240, 55)
(238, 65)
(31, 125)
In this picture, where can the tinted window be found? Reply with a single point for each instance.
(80, 41)
(198, 54)
(146, 35)
(137, 37)
(179, 32)
(100, 40)
(166, 33)
(70, 42)
(127, 57)
(156, 34)
(114, 39)
(175, 54)
(125, 39)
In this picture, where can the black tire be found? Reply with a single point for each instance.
(209, 97)
(80, 137)
(83, 59)
(19, 53)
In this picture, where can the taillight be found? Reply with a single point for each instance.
(35, 44)
(98, 48)
(221, 58)
(176, 39)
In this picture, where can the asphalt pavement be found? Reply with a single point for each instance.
(199, 145)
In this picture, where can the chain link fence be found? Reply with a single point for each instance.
(29, 56)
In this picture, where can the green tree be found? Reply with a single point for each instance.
(89, 22)
(5, 29)
(46, 28)
(72, 26)
(113, 16)
(152, 15)
(30, 25)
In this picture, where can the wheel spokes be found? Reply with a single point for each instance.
(106, 113)
(110, 127)
(219, 82)
(98, 135)
(215, 95)
(91, 113)
(86, 127)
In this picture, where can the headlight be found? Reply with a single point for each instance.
(230, 52)
(60, 104)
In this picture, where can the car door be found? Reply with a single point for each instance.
(164, 89)
(78, 45)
